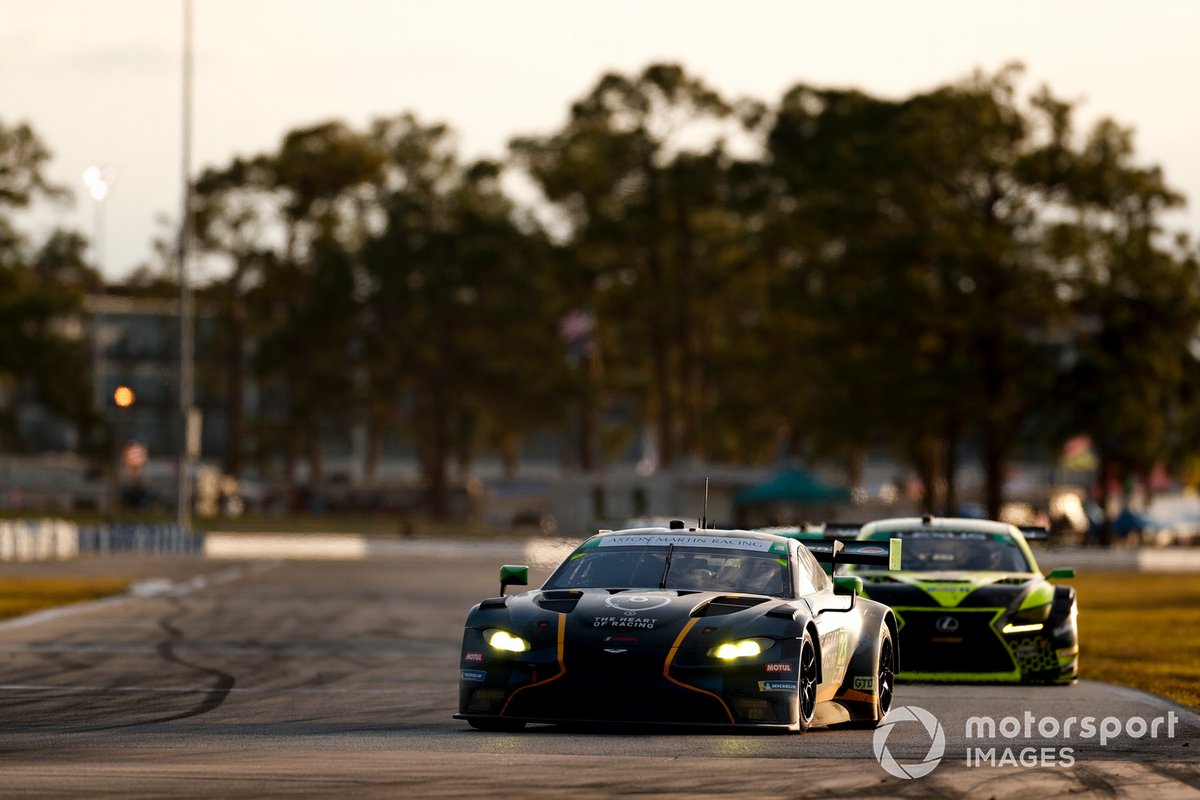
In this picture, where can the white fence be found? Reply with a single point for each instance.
(55, 539)
(38, 540)
(156, 539)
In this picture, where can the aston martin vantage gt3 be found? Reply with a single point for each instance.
(676, 625)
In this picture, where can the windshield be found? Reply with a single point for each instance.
(674, 567)
(930, 551)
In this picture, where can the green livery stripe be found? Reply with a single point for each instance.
(951, 593)
(1040, 595)
(946, 595)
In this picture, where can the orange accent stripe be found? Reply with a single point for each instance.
(857, 696)
(671, 657)
(562, 668)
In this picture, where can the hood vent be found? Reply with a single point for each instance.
(1011, 582)
(560, 601)
(727, 604)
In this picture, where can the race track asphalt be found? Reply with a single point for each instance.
(339, 678)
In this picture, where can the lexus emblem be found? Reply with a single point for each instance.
(946, 625)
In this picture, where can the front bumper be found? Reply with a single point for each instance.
(967, 645)
(591, 684)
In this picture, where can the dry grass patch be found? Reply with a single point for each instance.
(1141, 631)
(25, 595)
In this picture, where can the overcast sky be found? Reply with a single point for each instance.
(100, 80)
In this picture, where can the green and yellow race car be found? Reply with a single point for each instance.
(972, 605)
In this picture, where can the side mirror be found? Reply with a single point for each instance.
(847, 585)
(1060, 573)
(513, 575)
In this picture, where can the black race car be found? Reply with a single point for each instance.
(972, 604)
(684, 626)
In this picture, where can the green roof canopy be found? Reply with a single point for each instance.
(792, 485)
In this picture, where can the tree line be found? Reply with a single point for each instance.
(960, 273)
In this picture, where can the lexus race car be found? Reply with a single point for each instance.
(972, 605)
(683, 626)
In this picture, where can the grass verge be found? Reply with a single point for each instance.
(1141, 631)
(25, 595)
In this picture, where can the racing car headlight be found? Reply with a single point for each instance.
(503, 640)
(743, 648)
(1027, 620)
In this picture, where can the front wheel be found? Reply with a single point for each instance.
(885, 673)
(807, 683)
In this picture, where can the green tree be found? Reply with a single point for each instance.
(232, 213)
(839, 318)
(640, 200)
(927, 303)
(43, 355)
(321, 177)
(459, 309)
(995, 305)
(1135, 300)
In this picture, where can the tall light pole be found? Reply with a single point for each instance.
(99, 181)
(188, 416)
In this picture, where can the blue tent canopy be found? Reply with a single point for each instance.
(792, 485)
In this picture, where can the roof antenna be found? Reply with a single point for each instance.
(704, 515)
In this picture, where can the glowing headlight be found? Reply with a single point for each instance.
(1027, 620)
(503, 640)
(745, 648)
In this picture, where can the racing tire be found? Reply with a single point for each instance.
(885, 674)
(1061, 613)
(496, 725)
(807, 683)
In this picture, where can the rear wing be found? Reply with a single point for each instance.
(841, 530)
(866, 553)
(823, 531)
